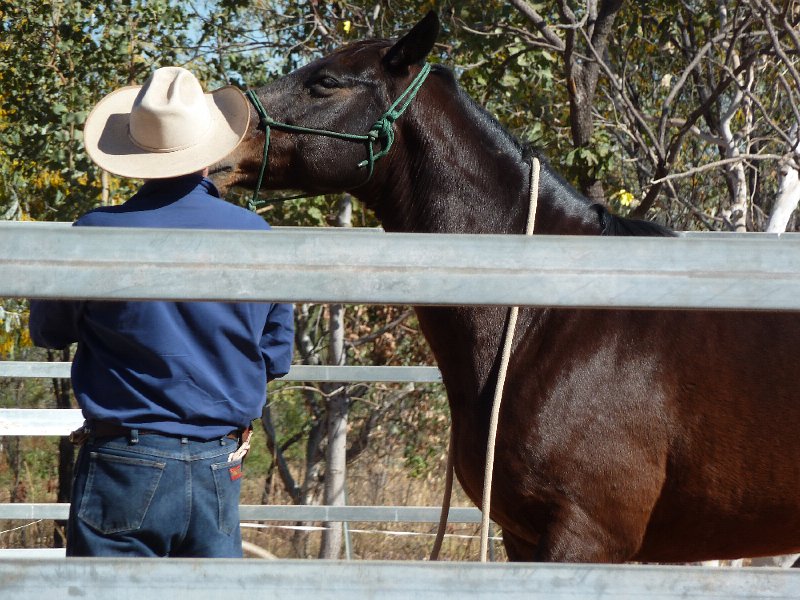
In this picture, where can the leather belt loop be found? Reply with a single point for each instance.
(80, 436)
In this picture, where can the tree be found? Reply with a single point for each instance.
(712, 102)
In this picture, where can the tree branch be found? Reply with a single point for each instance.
(379, 332)
(719, 163)
(289, 483)
(362, 436)
(539, 23)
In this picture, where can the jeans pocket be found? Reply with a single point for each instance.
(227, 480)
(118, 491)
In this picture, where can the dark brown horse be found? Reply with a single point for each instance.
(624, 435)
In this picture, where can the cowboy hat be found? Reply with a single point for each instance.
(165, 128)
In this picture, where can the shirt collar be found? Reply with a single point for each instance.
(177, 187)
(210, 187)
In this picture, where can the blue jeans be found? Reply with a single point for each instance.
(154, 495)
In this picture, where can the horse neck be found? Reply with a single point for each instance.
(455, 170)
(465, 175)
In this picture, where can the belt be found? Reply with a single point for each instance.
(106, 429)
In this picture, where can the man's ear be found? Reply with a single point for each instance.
(414, 46)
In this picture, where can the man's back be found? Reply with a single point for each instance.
(191, 368)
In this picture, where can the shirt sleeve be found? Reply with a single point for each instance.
(54, 323)
(277, 342)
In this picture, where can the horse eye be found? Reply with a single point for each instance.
(323, 86)
(328, 82)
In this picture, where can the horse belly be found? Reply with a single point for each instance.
(636, 451)
(732, 479)
(727, 503)
(706, 536)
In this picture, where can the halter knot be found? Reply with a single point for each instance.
(383, 130)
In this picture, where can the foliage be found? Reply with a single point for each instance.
(14, 334)
(58, 58)
(697, 82)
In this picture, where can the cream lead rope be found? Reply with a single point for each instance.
(501, 377)
(495, 415)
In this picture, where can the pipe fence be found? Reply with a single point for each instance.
(751, 272)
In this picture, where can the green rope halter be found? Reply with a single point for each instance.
(382, 131)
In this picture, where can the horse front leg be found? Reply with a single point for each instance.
(518, 549)
(575, 536)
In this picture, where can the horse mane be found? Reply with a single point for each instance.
(612, 224)
(478, 112)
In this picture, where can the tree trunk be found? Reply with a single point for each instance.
(786, 202)
(582, 75)
(105, 187)
(788, 191)
(66, 451)
(739, 109)
(336, 452)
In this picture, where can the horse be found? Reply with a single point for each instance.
(624, 435)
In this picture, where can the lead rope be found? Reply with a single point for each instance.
(498, 396)
(448, 492)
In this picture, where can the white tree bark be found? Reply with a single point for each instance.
(740, 104)
(105, 188)
(786, 202)
(788, 190)
(336, 452)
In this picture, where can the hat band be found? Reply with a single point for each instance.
(173, 148)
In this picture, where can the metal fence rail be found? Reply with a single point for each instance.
(39, 421)
(56, 422)
(331, 373)
(274, 512)
(104, 263)
(201, 579)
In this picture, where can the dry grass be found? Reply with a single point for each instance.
(379, 478)
(376, 483)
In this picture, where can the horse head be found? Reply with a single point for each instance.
(346, 92)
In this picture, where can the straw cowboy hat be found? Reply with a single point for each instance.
(165, 128)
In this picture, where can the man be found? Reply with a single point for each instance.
(168, 389)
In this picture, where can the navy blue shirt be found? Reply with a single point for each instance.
(198, 369)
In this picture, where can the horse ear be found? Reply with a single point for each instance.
(414, 46)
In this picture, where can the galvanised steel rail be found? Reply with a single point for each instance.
(211, 579)
(752, 273)
(327, 373)
(265, 512)
(57, 422)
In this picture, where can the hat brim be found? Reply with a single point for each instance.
(107, 141)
